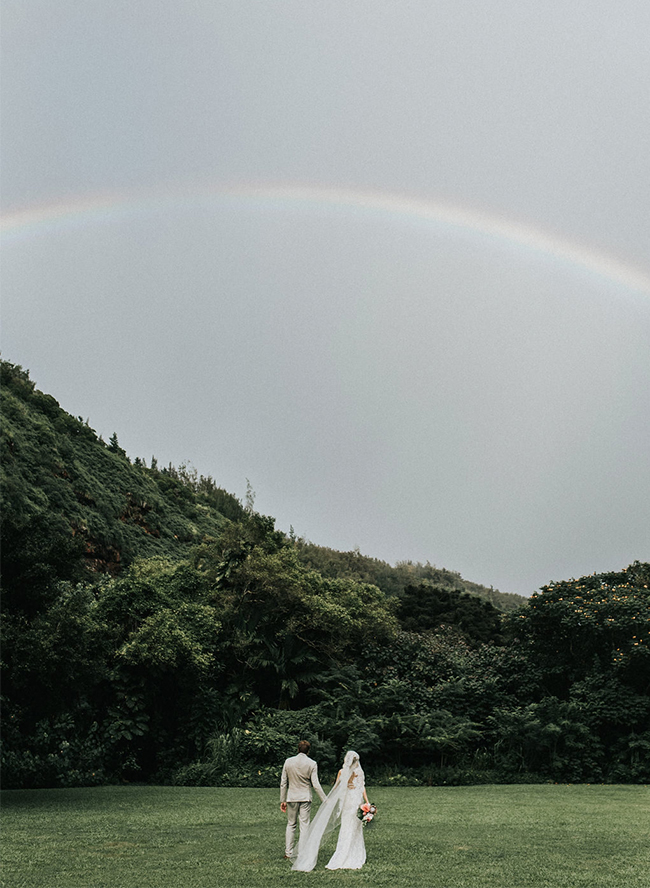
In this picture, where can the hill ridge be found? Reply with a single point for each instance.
(65, 487)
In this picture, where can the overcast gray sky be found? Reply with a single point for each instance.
(387, 260)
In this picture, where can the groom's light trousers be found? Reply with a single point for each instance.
(297, 812)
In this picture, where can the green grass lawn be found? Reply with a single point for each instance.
(438, 837)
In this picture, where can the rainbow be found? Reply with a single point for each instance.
(111, 206)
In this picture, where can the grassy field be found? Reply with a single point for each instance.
(439, 837)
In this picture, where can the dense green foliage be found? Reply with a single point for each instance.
(456, 837)
(393, 580)
(71, 503)
(156, 630)
(424, 608)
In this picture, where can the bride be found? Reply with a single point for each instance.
(340, 806)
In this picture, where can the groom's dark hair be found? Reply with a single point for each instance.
(304, 746)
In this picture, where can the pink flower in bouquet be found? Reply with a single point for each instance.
(366, 813)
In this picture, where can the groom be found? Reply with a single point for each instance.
(299, 774)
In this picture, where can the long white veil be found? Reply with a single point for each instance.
(327, 817)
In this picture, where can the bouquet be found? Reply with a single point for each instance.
(366, 813)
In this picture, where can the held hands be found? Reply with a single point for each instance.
(283, 807)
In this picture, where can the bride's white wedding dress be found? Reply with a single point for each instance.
(340, 806)
(351, 849)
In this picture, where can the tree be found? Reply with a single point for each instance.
(284, 620)
(600, 622)
(426, 608)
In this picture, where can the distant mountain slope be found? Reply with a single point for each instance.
(72, 503)
(66, 492)
(393, 580)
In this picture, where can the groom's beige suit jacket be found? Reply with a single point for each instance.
(299, 774)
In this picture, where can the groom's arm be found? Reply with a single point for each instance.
(316, 784)
(284, 784)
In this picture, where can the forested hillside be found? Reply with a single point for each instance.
(154, 629)
(393, 580)
(67, 493)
